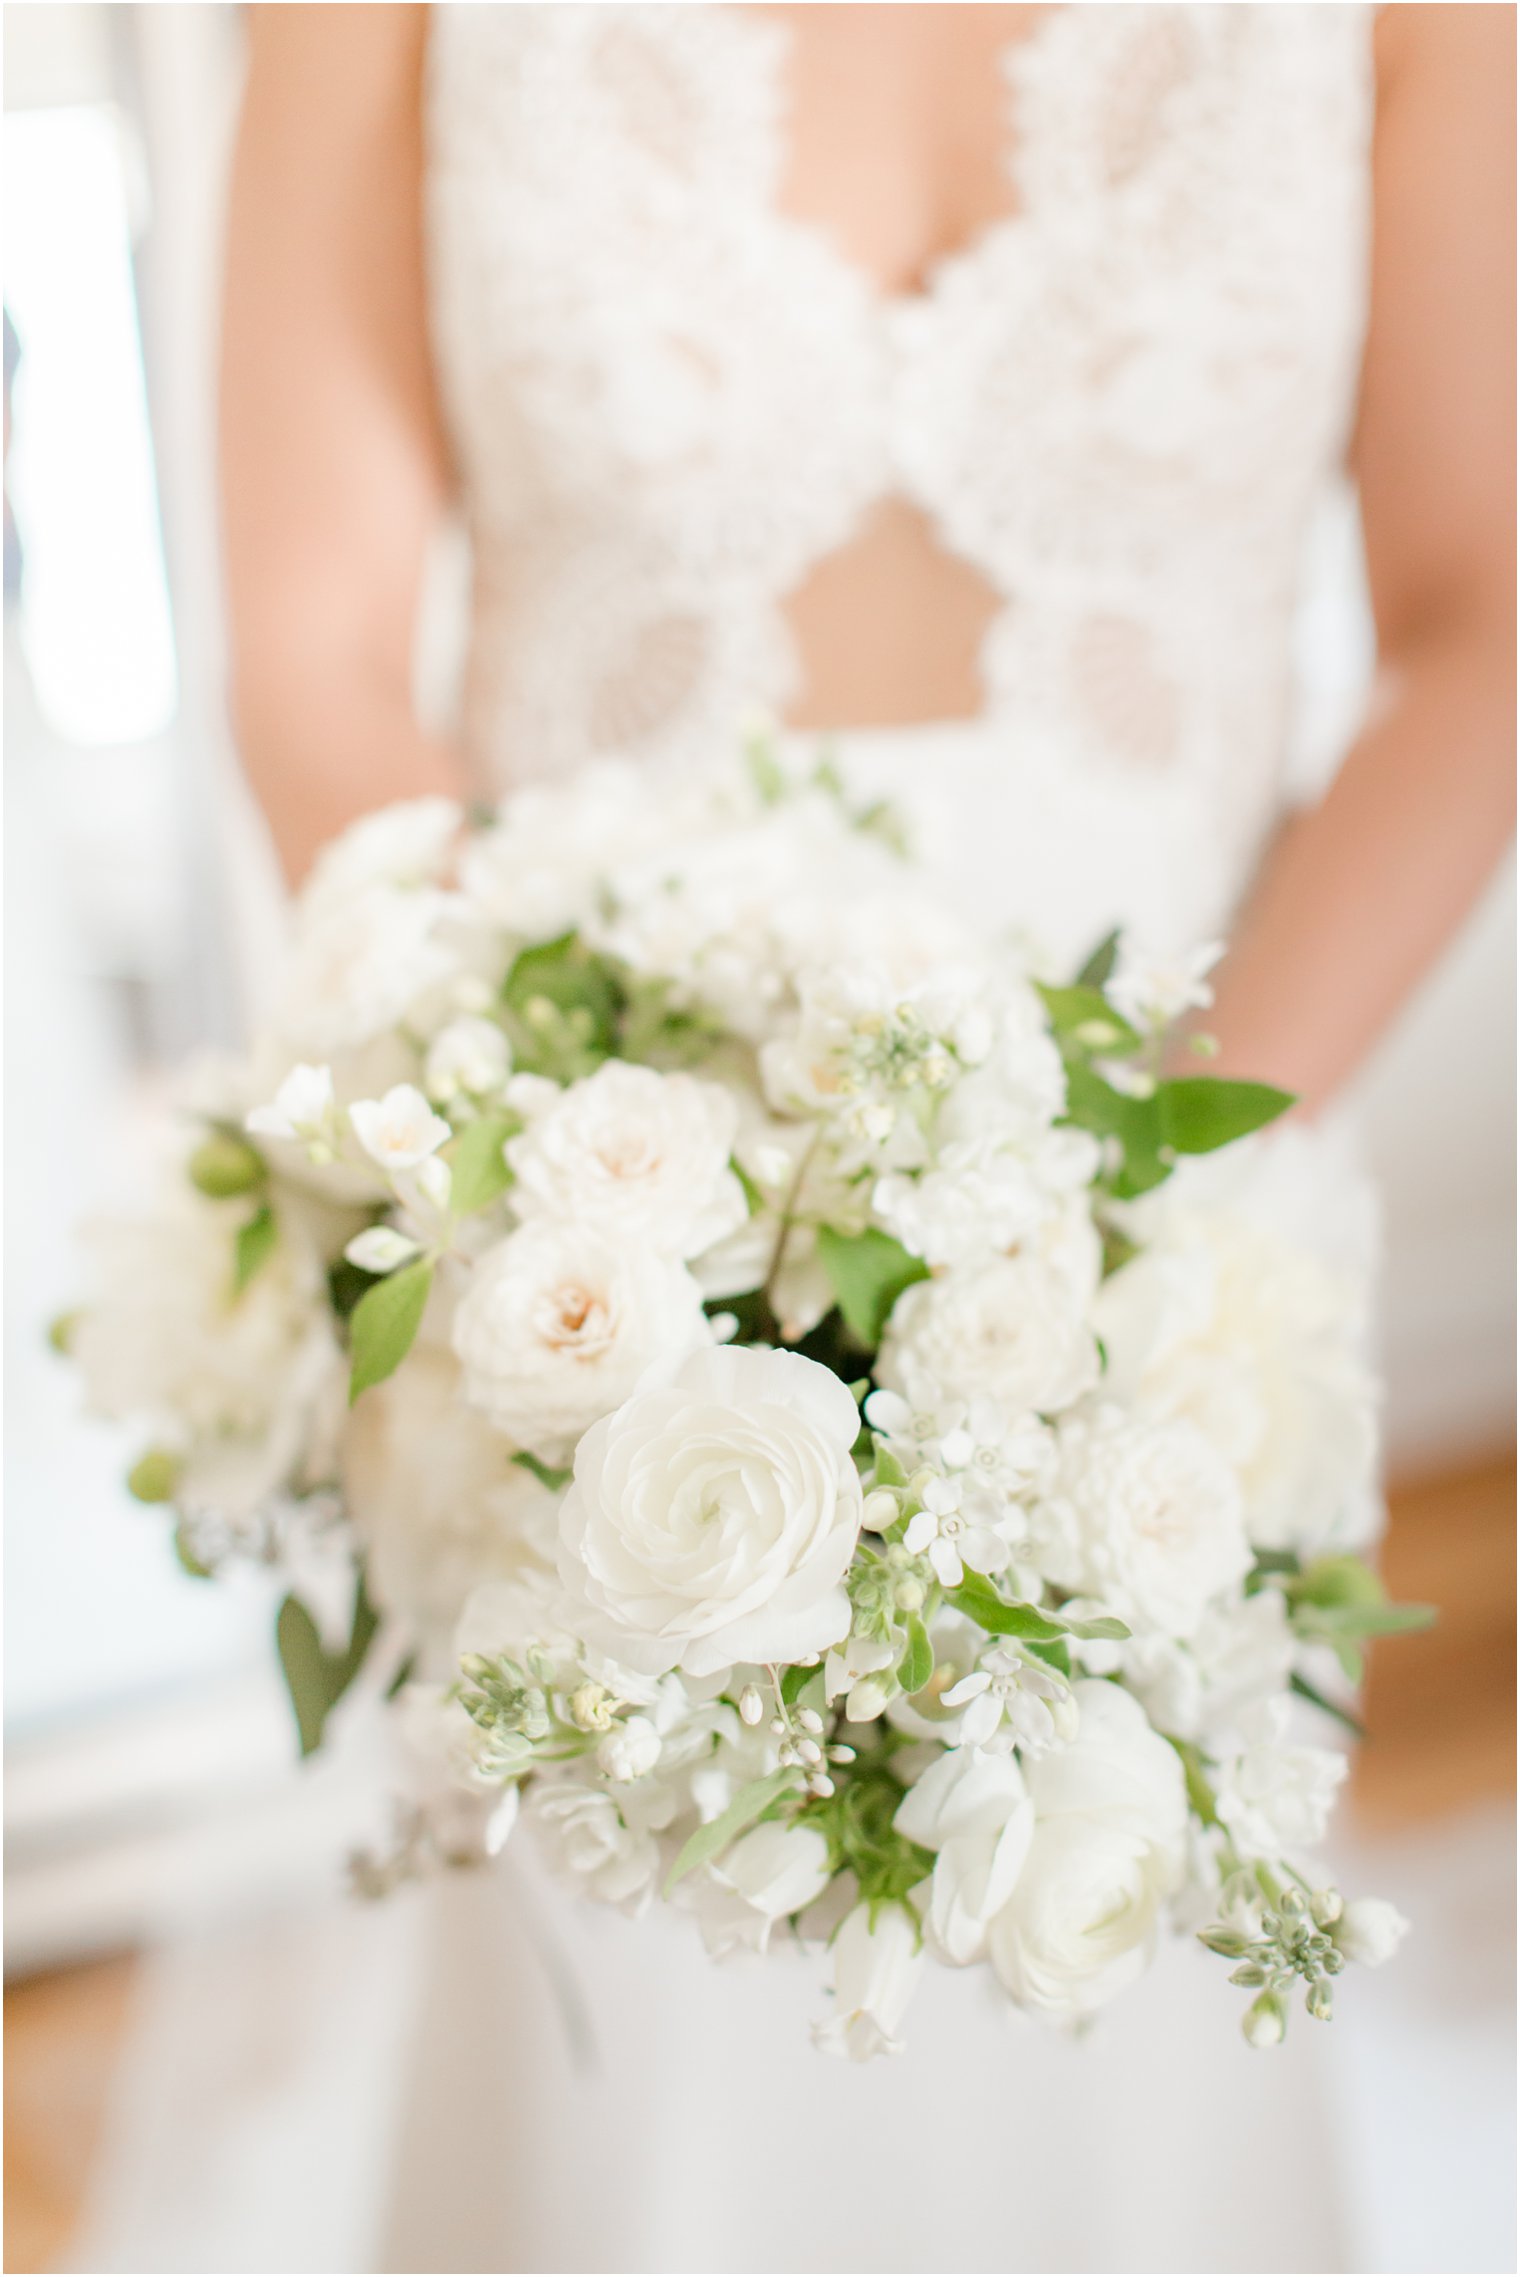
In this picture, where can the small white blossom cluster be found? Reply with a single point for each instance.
(837, 1434)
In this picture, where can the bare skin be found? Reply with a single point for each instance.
(335, 473)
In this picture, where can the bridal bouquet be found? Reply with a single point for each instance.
(802, 1411)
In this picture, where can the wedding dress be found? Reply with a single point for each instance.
(1126, 405)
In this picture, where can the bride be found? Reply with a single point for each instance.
(969, 383)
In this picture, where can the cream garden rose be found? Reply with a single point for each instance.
(712, 1518)
(557, 1326)
(636, 1155)
(1011, 1330)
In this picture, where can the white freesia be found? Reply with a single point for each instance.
(1106, 1854)
(399, 1131)
(1275, 1797)
(557, 1326)
(974, 1811)
(1370, 1931)
(876, 1972)
(712, 1517)
(1147, 1519)
(1150, 988)
(770, 1873)
(1012, 1331)
(636, 1155)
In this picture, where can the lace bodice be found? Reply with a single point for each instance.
(1121, 404)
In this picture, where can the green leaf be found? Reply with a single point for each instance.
(186, 1558)
(1096, 1106)
(1202, 1112)
(750, 1803)
(980, 1602)
(385, 1320)
(546, 1475)
(224, 1164)
(1099, 966)
(794, 1682)
(346, 1284)
(868, 1272)
(917, 1664)
(1336, 1581)
(1053, 1651)
(478, 1173)
(1084, 1016)
(61, 1331)
(255, 1244)
(889, 1471)
(315, 1678)
(564, 1002)
(1200, 1794)
(1317, 1699)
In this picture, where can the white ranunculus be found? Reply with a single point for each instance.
(974, 1811)
(769, 1874)
(1370, 1930)
(1108, 1851)
(1012, 1330)
(1239, 1316)
(357, 966)
(1146, 1518)
(876, 1972)
(433, 1490)
(635, 1155)
(1276, 1799)
(586, 1838)
(557, 1326)
(408, 844)
(230, 1384)
(713, 1516)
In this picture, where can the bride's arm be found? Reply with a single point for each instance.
(334, 473)
(1361, 893)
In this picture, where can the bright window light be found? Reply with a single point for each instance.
(95, 621)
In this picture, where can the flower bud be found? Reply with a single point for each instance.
(224, 1165)
(751, 1706)
(1264, 2022)
(154, 1476)
(1326, 1907)
(880, 1510)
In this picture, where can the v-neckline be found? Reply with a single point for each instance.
(893, 305)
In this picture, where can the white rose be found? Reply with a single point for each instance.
(713, 1516)
(585, 1837)
(536, 871)
(1238, 1657)
(1108, 1851)
(1273, 1798)
(769, 1874)
(407, 844)
(1232, 1319)
(357, 966)
(629, 1751)
(1149, 1521)
(974, 1810)
(1012, 1330)
(433, 1489)
(557, 1326)
(1370, 1931)
(636, 1155)
(876, 1972)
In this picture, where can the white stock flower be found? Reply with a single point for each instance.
(1243, 1331)
(1108, 1850)
(1370, 1931)
(399, 1131)
(769, 1874)
(876, 1972)
(1151, 988)
(629, 1751)
(557, 1326)
(1012, 1330)
(1147, 1519)
(230, 1384)
(635, 1155)
(437, 1498)
(1275, 1798)
(358, 965)
(712, 1518)
(974, 1811)
(471, 1055)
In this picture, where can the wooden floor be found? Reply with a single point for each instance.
(1441, 1725)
